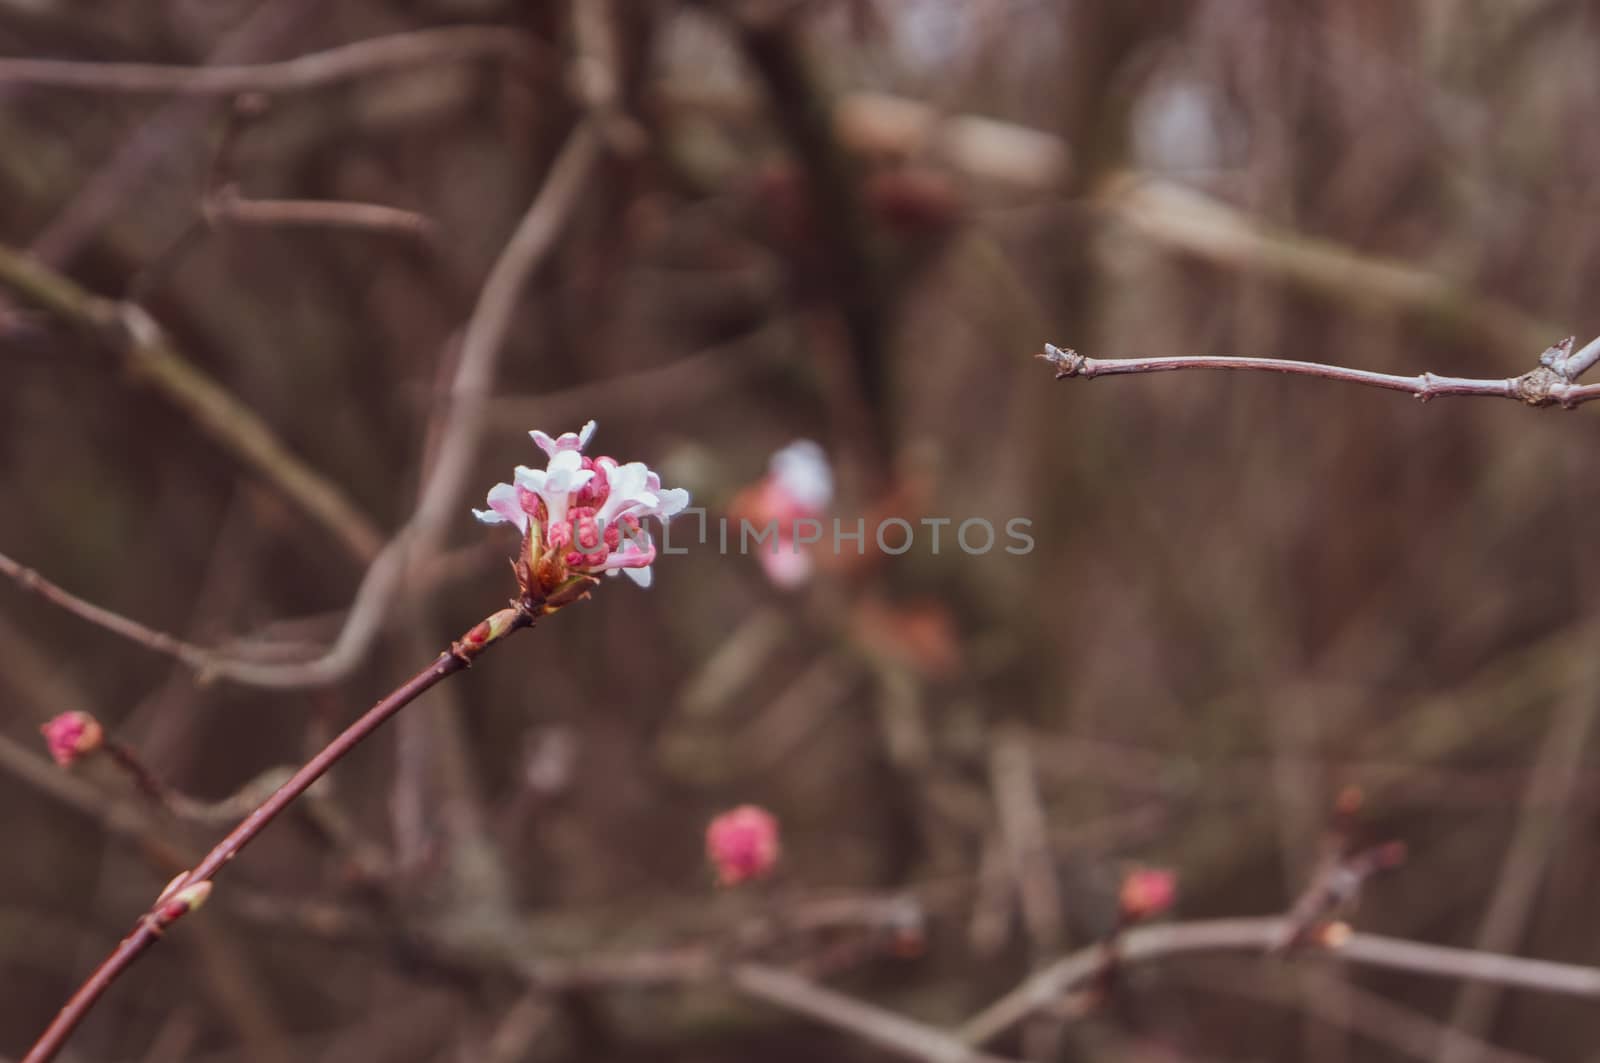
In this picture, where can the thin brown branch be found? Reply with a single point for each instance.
(1330, 999)
(803, 111)
(228, 207)
(400, 51)
(158, 641)
(441, 493)
(136, 824)
(597, 80)
(120, 818)
(180, 805)
(517, 1030)
(889, 1031)
(154, 360)
(111, 187)
(1541, 386)
(173, 905)
(712, 371)
(1023, 830)
(481, 348)
(1257, 936)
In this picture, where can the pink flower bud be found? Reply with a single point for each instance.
(1147, 892)
(72, 735)
(742, 844)
(1334, 935)
(175, 904)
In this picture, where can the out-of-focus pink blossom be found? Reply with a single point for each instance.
(72, 735)
(791, 498)
(582, 515)
(1147, 892)
(742, 844)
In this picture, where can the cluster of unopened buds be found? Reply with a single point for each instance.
(581, 516)
(71, 736)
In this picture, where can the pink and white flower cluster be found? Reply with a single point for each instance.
(797, 489)
(582, 515)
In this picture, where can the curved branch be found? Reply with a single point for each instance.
(395, 52)
(154, 360)
(1259, 936)
(188, 890)
(441, 492)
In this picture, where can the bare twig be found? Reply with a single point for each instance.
(1342, 869)
(1539, 823)
(180, 896)
(400, 51)
(1347, 1006)
(179, 804)
(223, 203)
(122, 819)
(159, 641)
(269, 28)
(1541, 386)
(154, 360)
(692, 378)
(481, 347)
(596, 79)
(480, 353)
(892, 1032)
(534, 238)
(1023, 825)
(228, 207)
(802, 110)
(1258, 936)
(518, 1029)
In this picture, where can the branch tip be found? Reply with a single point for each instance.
(1066, 361)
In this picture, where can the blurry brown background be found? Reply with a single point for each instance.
(855, 222)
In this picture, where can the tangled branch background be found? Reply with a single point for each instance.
(1261, 726)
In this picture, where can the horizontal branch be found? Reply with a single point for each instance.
(229, 207)
(1259, 936)
(395, 52)
(1541, 386)
(889, 1031)
(187, 653)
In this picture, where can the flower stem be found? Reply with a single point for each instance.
(171, 906)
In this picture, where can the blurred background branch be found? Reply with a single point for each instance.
(286, 287)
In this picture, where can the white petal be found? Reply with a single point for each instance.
(555, 506)
(565, 461)
(565, 475)
(641, 576)
(566, 481)
(671, 502)
(532, 479)
(802, 472)
(503, 508)
(628, 483)
(585, 434)
(544, 442)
